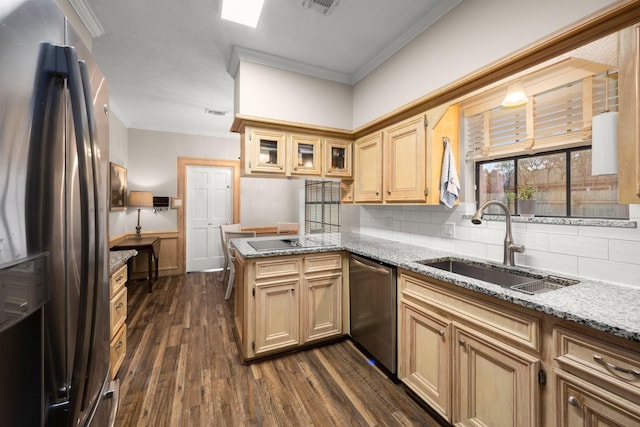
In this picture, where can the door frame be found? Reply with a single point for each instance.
(183, 162)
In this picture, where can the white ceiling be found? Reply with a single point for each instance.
(167, 61)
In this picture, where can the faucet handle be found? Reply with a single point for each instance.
(516, 248)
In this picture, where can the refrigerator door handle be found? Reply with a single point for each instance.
(114, 394)
(64, 62)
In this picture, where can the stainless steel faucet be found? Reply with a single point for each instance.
(509, 247)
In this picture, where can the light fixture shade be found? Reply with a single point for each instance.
(140, 199)
(604, 143)
(515, 95)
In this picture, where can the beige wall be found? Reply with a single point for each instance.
(264, 91)
(471, 36)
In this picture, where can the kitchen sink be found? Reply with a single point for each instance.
(516, 280)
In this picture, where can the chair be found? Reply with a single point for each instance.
(224, 229)
(232, 267)
(287, 228)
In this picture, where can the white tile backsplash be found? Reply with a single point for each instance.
(603, 253)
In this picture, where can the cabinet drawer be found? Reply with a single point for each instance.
(118, 350)
(118, 310)
(275, 268)
(601, 361)
(497, 319)
(118, 279)
(322, 263)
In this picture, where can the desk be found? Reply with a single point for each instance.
(150, 245)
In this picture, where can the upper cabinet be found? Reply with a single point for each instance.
(305, 156)
(629, 117)
(368, 169)
(265, 151)
(282, 150)
(337, 157)
(405, 159)
(403, 162)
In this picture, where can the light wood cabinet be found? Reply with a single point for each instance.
(306, 155)
(443, 121)
(405, 161)
(117, 318)
(265, 151)
(337, 158)
(368, 169)
(597, 381)
(286, 302)
(629, 116)
(289, 151)
(494, 384)
(473, 361)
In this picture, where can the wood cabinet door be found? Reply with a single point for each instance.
(323, 305)
(305, 157)
(337, 158)
(405, 161)
(368, 168)
(443, 121)
(494, 384)
(424, 346)
(276, 314)
(267, 150)
(581, 404)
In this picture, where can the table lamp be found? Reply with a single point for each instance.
(140, 199)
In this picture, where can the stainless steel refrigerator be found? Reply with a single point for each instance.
(54, 301)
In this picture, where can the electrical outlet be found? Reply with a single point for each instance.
(448, 229)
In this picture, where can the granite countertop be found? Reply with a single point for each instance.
(118, 258)
(608, 307)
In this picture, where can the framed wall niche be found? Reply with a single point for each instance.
(118, 187)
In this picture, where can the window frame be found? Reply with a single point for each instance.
(567, 152)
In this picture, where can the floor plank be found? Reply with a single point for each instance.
(182, 369)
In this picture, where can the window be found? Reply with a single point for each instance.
(563, 182)
(545, 144)
(322, 206)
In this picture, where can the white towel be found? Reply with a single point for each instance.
(449, 182)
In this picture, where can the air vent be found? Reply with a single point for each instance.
(322, 6)
(214, 112)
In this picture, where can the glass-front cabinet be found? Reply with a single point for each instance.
(268, 148)
(305, 155)
(338, 157)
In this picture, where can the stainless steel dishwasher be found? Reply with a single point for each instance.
(372, 304)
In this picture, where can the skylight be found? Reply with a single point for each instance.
(245, 12)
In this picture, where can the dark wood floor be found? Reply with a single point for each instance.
(182, 369)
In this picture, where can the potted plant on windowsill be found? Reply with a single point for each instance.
(526, 200)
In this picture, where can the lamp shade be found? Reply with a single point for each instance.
(515, 95)
(140, 199)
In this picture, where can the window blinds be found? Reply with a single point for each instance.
(553, 119)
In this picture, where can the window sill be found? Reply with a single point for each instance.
(589, 222)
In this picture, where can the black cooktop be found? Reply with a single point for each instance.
(278, 244)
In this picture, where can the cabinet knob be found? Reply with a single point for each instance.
(389, 192)
(441, 333)
(462, 342)
(328, 170)
(281, 167)
(377, 194)
(573, 401)
(295, 168)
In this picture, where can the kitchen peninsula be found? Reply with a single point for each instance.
(549, 354)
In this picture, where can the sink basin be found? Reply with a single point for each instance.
(515, 280)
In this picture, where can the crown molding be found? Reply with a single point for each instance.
(87, 17)
(414, 31)
(239, 53)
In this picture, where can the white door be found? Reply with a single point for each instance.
(209, 205)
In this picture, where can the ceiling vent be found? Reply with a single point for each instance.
(322, 6)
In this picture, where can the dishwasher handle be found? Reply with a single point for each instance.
(380, 270)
